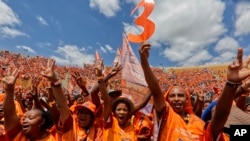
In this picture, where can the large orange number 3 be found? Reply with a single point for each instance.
(142, 20)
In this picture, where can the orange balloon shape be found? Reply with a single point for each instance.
(143, 21)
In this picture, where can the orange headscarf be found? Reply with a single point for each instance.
(2, 97)
(188, 106)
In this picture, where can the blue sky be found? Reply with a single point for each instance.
(190, 32)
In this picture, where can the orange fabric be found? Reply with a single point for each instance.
(208, 135)
(2, 95)
(188, 106)
(88, 104)
(72, 107)
(53, 131)
(76, 133)
(173, 127)
(113, 132)
(20, 137)
(19, 111)
(143, 125)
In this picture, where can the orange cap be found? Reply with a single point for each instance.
(88, 104)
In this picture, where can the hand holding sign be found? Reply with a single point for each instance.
(142, 20)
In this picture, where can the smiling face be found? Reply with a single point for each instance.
(85, 118)
(121, 113)
(31, 122)
(177, 99)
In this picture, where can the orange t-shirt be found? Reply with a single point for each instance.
(173, 127)
(21, 137)
(143, 125)
(76, 133)
(16, 134)
(113, 132)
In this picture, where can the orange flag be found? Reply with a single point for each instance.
(143, 21)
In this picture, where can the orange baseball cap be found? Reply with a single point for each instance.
(88, 105)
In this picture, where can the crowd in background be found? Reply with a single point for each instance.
(204, 84)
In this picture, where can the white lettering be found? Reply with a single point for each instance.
(240, 132)
(237, 132)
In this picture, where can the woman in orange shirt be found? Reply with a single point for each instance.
(33, 125)
(117, 125)
(78, 126)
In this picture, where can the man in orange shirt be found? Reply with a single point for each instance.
(175, 119)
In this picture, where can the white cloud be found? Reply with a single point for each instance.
(226, 44)
(227, 49)
(106, 7)
(242, 23)
(107, 49)
(10, 32)
(26, 48)
(7, 16)
(197, 57)
(225, 57)
(8, 21)
(103, 49)
(43, 44)
(186, 27)
(42, 20)
(71, 55)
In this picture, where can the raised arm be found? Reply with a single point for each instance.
(35, 80)
(144, 102)
(95, 90)
(49, 73)
(19, 99)
(11, 120)
(102, 87)
(237, 72)
(81, 82)
(151, 80)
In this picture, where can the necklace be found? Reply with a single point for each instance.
(187, 118)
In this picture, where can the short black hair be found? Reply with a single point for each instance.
(48, 121)
(126, 101)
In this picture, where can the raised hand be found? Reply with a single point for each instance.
(10, 79)
(144, 50)
(18, 94)
(48, 72)
(80, 81)
(115, 69)
(238, 70)
(98, 68)
(35, 80)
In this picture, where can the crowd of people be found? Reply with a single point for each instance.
(42, 101)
